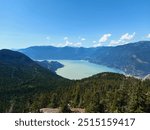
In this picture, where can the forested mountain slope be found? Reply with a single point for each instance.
(20, 77)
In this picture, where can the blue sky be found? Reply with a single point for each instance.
(87, 23)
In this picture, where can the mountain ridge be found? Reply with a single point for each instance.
(132, 58)
(18, 69)
(22, 80)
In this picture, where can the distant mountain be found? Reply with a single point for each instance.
(50, 65)
(132, 58)
(50, 52)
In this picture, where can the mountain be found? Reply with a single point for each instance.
(50, 52)
(50, 65)
(18, 70)
(22, 80)
(132, 58)
(25, 86)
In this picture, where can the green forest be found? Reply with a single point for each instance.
(102, 93)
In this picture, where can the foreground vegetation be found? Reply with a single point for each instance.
(106, 92)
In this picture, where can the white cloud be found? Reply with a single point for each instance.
(104, 38)
(97, 45)
(77, 44)
(94, 41)
(68, 43)
(148, 36)
(117, 42)
(114, 43)
(83, 39)
(66, 38)
(48, 38)
(73, 44)
(127, 36)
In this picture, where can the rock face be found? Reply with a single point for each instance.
(132, 58)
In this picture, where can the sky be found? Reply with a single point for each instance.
(87, 23)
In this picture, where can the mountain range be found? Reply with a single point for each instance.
(132, 58)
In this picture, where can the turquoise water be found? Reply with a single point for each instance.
(79, 69)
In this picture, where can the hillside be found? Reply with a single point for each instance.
(102, 93)
(21, 77)
(18, 69)
(132, 58)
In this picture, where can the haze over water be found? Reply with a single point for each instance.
(79, 69)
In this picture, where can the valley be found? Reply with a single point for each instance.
(26, 86)
(74, 56)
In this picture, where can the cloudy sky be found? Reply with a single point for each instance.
(88, 23)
